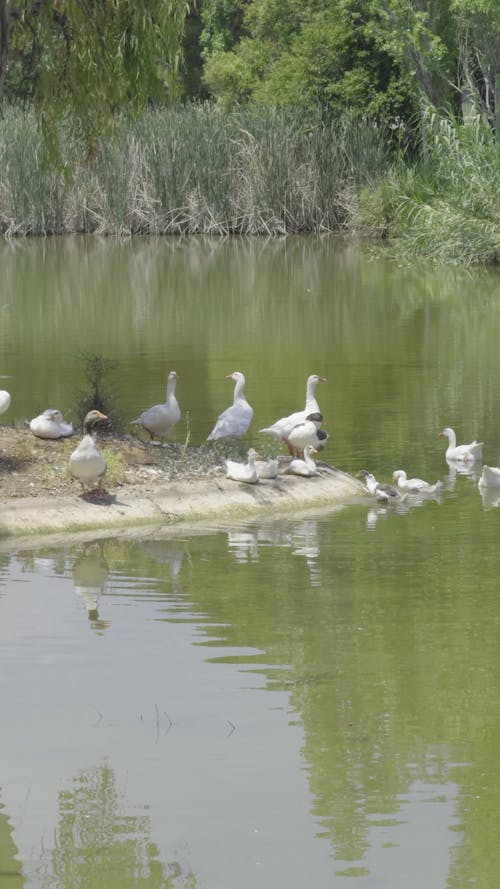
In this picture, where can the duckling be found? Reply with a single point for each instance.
(382, 492)
(243, 472)
(267, 468)
(86, 463)
(306, 466)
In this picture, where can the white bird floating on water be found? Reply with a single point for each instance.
(306, 466)
(490, 477)
(382, 492)
(161, 418)
(282, 427)
(4, 401)
(50, 424)
(267, 468)
(243, 472)
(86, 463)
(414, 485)
(236, 419)
(465, 453)
(308, 432)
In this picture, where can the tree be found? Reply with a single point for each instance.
(88, 60)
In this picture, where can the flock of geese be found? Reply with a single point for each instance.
(300, 432)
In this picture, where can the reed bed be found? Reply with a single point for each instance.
(448, 211)
(196, 169)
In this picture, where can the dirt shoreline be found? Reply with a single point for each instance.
(174, 502)
(164, 486)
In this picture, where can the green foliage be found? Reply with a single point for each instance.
(88, 61)
(96, 396)
(450, 212)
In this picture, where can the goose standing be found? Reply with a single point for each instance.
(414, 485)
(243, 472)
(236, 419)
(382, 492)
(86, 463)
(50, 424)
(161, 418)
(4, 401)
(465, 453)
(308, 432)
(306, 466)
(282, 427)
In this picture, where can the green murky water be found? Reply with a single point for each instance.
(310, 701)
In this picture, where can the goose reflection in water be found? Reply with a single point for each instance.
(164, 552)
(90, 573)
(301, 537)
(470, 470)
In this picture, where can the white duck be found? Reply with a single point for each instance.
(243, 472)
(490, 477)
(161, 418)
(466, 453)
(267, 468)
(414, 485)
(235, 420)
(50, 424)
(308, 432)
(282, 428)
(4, 401)
(382, 492)
(86, 463)
(306, 466)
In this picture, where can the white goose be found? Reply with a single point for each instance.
(414, 485)
(50, 424)
(161, 418)
(282, 428)
(308, 432)
(243, 472)
(86, 463)
(267, 468)
(4, 401)
(465, 453)
(235, 420)
(306, 466)
(490, 477)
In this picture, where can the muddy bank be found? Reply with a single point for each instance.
(175, 502)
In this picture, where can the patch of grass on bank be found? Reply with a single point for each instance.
(449, 210)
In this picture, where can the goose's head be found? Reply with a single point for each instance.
(315, 378)
(172, 376)
(447, 432)
(237, 376)
(397, 474)
(92, 418)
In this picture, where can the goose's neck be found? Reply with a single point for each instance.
(238, 391)
(170, 390)
(311, 403)
(452, 438)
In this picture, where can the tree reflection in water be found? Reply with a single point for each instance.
(97, 845)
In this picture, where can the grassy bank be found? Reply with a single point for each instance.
(200, 169)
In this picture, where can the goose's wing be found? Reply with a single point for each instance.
(235, 420)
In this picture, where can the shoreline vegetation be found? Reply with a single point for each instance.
(205, 169)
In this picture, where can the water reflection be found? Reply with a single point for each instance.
(90, 572)
(97, 843)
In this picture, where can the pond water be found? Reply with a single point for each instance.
(309, 700)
